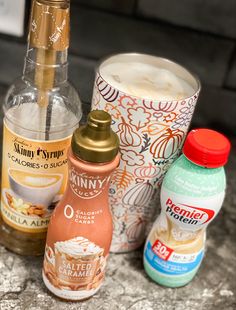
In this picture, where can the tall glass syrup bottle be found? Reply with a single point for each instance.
(41, 111)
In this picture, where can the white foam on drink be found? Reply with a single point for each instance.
(78, 246)
(146, 81)
(39, 181)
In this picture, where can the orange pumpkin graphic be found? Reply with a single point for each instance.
(167, 144)
(167, 106)
(147, 172)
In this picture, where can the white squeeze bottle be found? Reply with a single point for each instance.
(192, 194)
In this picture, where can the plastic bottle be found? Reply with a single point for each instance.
(41, 111)
(80, 230)
(192, 194)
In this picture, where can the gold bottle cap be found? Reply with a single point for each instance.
(96, 142)
(49, 24)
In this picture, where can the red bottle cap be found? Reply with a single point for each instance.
(207, 148)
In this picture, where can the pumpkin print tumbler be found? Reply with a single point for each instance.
(151, 101)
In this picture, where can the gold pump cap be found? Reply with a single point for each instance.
(96, 142)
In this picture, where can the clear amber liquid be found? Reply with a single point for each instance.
(21, 242)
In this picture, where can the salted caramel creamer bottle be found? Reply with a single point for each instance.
(41, 111)
(80, 230)
(192, 194)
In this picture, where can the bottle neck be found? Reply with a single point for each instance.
(48, 42)
(45, 69)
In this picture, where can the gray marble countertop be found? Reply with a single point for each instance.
(127, 286)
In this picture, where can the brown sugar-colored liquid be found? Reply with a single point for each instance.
(20, 242)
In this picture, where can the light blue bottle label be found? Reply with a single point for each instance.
(166, 261)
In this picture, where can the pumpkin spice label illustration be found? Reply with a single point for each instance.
(34, 181)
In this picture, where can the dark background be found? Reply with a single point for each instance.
(199, 34)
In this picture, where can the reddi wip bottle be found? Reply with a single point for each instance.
(192, 194)
(41, 111)
(80, 229)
